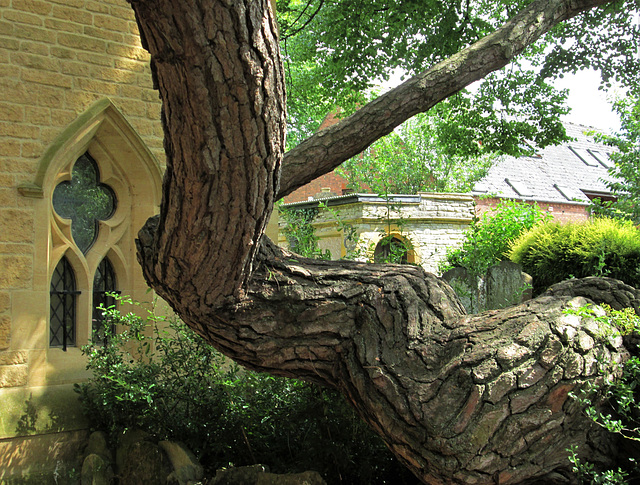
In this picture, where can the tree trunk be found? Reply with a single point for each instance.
(458, 398)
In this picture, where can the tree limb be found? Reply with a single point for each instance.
(327, 149)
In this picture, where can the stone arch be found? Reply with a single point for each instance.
(394, 239)
(129, 169)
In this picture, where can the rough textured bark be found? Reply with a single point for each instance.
(459, 398)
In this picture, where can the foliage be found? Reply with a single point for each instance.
(412, 160)
(626, 171)
(587, 473)
(488, 240)
(620, 411)
(332, 58)
(300, 234)
(169, 382)
(554, 252)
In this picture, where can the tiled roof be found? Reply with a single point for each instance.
(562, 173)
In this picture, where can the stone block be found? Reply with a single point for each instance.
(16, 225)
(38, 76)
(79, 16)
(31, 32)
(33, 6)
(5, 301)
(13, 357)
(5, 331)
(22, 17)
(81, 42)
(13, 375)
(17, 271)
(11, 112)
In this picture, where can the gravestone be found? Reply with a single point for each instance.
(507, 285)
(503, 285)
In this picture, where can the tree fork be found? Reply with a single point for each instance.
(458, 398)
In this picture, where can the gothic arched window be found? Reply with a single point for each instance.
(104, 285)
(63, 295)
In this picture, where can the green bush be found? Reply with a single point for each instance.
(552, 252)
(488, 240)
(300, 234)
(173, 385)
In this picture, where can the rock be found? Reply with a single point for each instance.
(143, 463)
(258, 475)
(98, 445)
(96, 470)
(185, 465)
(128, 438)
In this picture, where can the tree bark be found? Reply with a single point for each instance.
(458, 398)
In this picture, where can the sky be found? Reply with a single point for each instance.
(589, 106)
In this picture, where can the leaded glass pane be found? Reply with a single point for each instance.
(62, 315)
(104, 282)
(85, 201)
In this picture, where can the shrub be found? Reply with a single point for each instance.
(489, 239)
(175, 386)
(300, 234)
(552, 252)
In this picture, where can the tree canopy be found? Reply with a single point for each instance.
(336, 51)
(411, 160)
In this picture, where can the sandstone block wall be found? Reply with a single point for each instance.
(57, 59)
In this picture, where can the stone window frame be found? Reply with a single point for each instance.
(131, 171)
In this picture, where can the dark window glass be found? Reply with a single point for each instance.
(104, 283)
(85, 201)
(62, 321)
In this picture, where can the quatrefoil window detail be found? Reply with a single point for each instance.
(85, 201)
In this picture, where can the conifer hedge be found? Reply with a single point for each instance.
(553, 252)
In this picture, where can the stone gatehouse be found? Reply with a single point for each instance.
(428, 223)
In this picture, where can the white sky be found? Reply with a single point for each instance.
(589, 106)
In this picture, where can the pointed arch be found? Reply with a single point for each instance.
(105, 124)
(123, 164)
(62, 305)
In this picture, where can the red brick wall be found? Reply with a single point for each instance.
(561, 212)
(331, 180)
